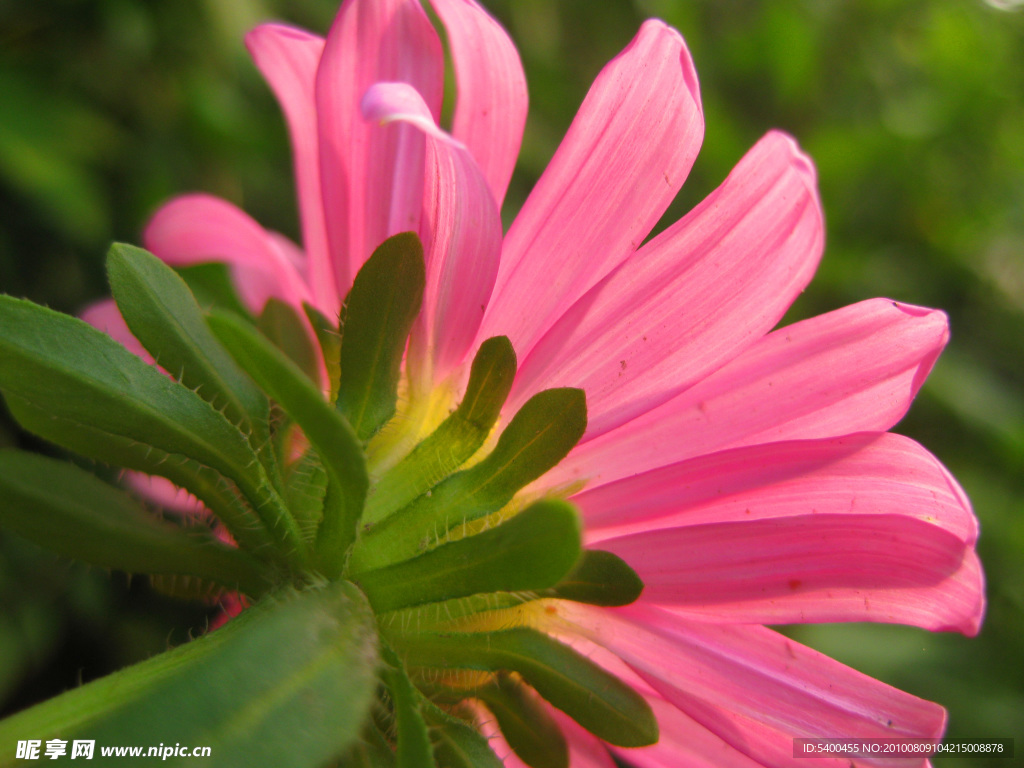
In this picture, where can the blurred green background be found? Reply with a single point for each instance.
(913, 112)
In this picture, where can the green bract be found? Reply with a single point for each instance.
(394, 564)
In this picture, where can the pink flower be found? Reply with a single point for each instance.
(746, 474)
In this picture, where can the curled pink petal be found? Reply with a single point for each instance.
(689, 301)
(866, 473)
(198, 228)
(813, 567)
(490, 109)
(288, 59)
(621, 163)
(372, 180)
(754, 688)
(399, 102)
(852, 370)
(460, 230)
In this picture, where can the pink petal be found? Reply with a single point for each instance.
(866, 473)
(755, 688)
(372, 180)
(500, 747)
(288, 59)
(199, 228)
(461, 233)
(105, 316)
(490, 110)
(811, 567)
(585, 749)
(684, 742)
(293, 255)
(853, 370)
(620, 165)
(164, 493)
(690, 300)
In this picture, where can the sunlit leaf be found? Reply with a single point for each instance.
(539, 436)
(533, 550)
(456, 439)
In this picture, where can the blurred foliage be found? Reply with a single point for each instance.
(912, 110)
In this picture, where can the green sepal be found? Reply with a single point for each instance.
(599, 578)
(457, 744)
(209, 486)
(305, 491)
(213, 287)
(446, 615)
(162, 313)
(327, 431)
(526, 725)
(597, 700)
(379, 312)
(188, 588)
(81, 377)
(456, 439)
(329, 338)
(531, 551)
(67, 510)
(287, 684)
(413, 742)
(539, 436)
(286, 330)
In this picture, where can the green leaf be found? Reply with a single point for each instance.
(414, 749)
(162, 313)
(598, 701)
(378, 315)
(539, 436)
(326, 429)
(211, 284)
(599, 578)
(371, 751)
(65, 509)
(456, 439)
(287, 684)
(526, 725)
(533, 550)
(287, 331)
(457, 744)
(329, 336)
(209, 486)
(81, 377)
